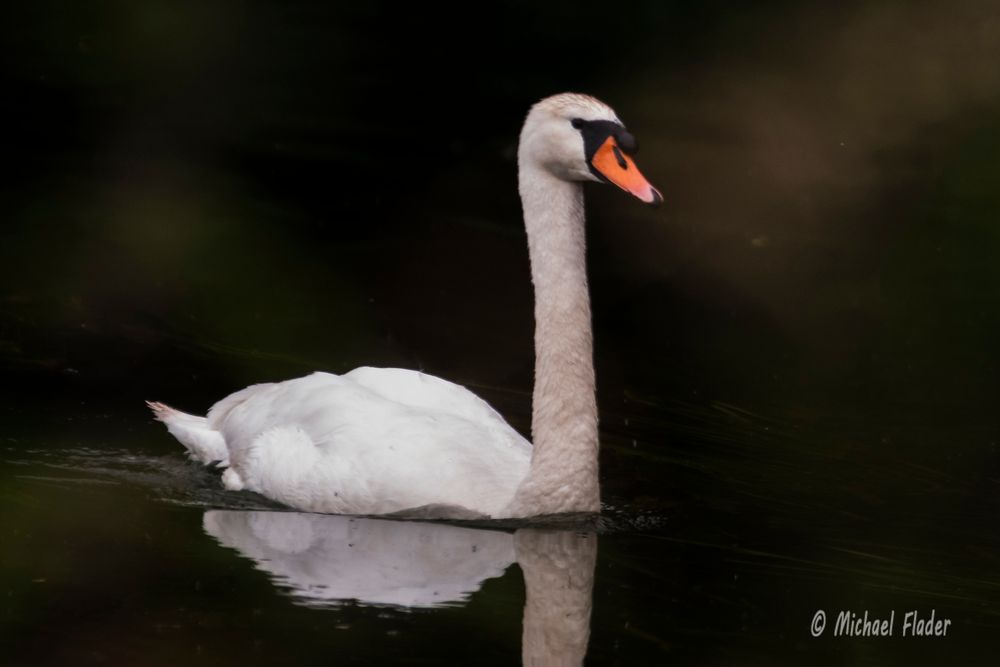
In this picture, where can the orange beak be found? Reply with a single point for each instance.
(618, 168)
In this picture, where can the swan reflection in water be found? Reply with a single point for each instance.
(326, 560)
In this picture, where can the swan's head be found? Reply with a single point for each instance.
(579, 138)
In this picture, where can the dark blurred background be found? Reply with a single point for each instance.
(216, 193)
(198, 196)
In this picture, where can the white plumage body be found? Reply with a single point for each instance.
(372, 441)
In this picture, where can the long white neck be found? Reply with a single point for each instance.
(563, 473)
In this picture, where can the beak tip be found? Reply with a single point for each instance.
(656, 199)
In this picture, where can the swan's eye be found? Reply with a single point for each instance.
(596, 132)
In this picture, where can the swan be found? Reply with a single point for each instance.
(378, 441)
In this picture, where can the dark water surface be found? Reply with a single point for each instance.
(121, 552)
(796, 355)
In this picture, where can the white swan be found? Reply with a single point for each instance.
(387, 440)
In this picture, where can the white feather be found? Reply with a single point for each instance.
(372, 441)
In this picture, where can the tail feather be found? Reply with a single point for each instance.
(202, 442)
